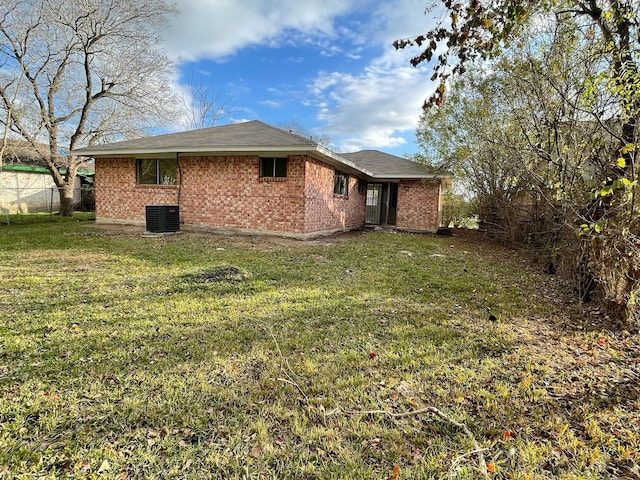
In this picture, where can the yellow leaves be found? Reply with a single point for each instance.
(628, 148)
(621, 162)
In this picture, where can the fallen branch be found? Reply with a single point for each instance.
(477, 450)
(458, 459)
(288, 374)
(482, 463)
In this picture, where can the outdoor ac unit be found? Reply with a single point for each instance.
(163, 218)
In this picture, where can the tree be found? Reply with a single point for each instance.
(203, 105)
(91, 72)
(296, 127)
(577, 133)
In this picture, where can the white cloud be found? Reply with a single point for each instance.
(270, 103)
(380, 106)
(218, 28)
(374, 109)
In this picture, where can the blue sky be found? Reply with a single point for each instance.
(327, 65)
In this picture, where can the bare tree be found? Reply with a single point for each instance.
(294, 126)
(92, 72)
(203, 104)
(14, 84)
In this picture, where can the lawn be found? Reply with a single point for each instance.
(204, 356)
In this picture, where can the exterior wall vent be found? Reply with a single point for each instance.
(163, 218)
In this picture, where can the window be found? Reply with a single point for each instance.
(340, 183)
(273, 167)
(156, 171)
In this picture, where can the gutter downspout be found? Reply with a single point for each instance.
(179, 194)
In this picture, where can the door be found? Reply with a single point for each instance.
(392, 203)
(382, 203)
(373, 205)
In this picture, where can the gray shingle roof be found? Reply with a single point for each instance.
(251, 135)
(260, 138)
(384, 165)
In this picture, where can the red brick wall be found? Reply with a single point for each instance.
(418, 205)
(228, 192)
(118, 196)
(326, 211)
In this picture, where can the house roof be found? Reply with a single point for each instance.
(20, 156)
(384, 165)
(247, 136)
(18, 152)
(256, 137)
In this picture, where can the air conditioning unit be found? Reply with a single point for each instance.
(163, 218)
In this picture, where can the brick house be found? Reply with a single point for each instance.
(255, 178)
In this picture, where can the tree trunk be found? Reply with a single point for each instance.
(66, 199)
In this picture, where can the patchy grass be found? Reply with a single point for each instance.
(194, 356)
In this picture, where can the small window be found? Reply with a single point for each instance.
(340, 183)
(362, 186)
(156, 171)
(273, 167)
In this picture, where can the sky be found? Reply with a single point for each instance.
(328, 66)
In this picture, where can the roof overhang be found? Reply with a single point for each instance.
(319, 152)
(98, 152)
(38, 169)
(315, 151)
(395, 178)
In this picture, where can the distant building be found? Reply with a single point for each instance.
(26, 184)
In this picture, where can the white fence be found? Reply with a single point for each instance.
(43, 199)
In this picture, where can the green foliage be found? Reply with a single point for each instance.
(456, 210)
(547, 138)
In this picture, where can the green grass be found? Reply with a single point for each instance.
(28, 218)
(196, 356)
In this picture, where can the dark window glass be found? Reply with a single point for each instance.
(156, 171)
(167, 171)
(273, 167)
(280, 168)
(266, 167)
(147, 172)
(393, 195)
(340, 183)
